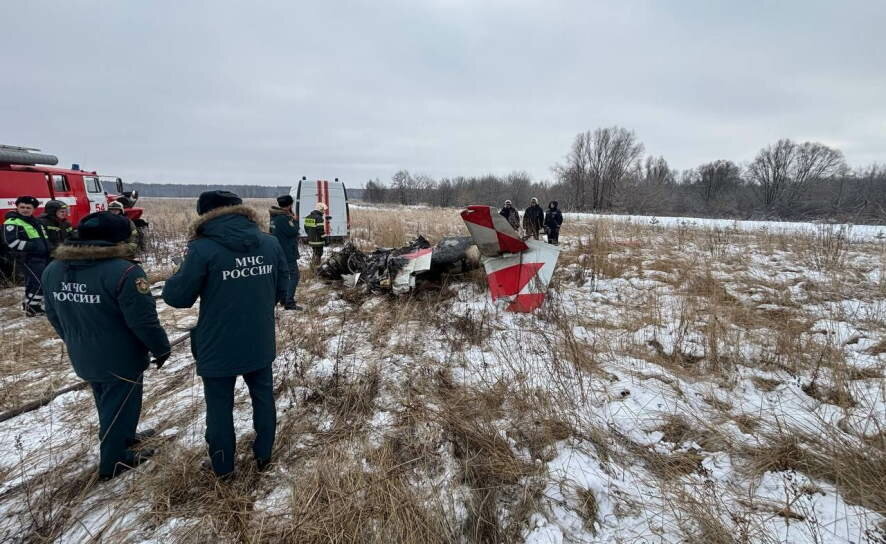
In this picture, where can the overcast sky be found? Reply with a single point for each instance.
(228, 91)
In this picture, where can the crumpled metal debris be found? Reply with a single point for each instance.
(396, 269)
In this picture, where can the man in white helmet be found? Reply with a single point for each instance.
(315, 227)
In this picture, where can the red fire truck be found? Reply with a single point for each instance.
(24, 171)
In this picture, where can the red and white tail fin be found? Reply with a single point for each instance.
(491, 232)
(516, 271)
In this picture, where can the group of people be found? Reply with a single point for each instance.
(535, 220)
(99, 301)
(94, 285)
(32, 241)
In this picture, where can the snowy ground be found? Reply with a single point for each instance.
(680, 385)
(865, 233)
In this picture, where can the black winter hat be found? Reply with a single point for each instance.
(27, 200)
(211, 200)
(105, 227)
(284, 201)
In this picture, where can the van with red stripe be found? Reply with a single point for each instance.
(332, 193)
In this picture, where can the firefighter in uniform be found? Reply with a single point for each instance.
(239, 274)
(55, 222)
(99, 302)
(116, 207)
(26, 237)
(315, 228)
(284, 225)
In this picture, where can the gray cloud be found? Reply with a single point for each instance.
(224, 91)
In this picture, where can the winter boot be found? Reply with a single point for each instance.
(140, 437)
(207, 466)
(138, 458)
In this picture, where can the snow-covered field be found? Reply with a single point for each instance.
(685, 382)
(866, 233)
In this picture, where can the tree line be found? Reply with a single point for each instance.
(606, 170)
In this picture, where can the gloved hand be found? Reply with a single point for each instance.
(161, 359)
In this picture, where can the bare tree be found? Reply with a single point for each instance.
(781, 172)
(597, 163)
(374, 191)
(713, 177)
(401, 183)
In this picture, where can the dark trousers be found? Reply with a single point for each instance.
(554, 236)
(318, 255)
(32, 268)
(532, 231)
(293, 283)
(119, 405)
(220, 436)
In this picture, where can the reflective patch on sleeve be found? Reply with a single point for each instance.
(142, 286)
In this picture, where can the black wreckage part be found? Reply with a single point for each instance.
(453, 255)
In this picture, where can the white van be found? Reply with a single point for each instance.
(334, 195)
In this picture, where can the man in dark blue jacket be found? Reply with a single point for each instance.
(239, 273)
(284, 225)
(99, 302)
(26, 237)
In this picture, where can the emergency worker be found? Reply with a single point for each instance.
(553, 220)
(315, 228)
(99, 302)
(56, 224)
(533, 219)
(284, 225)
(239, 274)
(26, 237)
(116, 207)
(510, 213)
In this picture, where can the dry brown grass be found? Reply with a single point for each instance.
(402, 420)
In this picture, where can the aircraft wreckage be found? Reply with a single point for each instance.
(518, 271)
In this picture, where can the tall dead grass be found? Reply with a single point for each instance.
(422, 419)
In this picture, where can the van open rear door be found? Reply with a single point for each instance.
(332, 193)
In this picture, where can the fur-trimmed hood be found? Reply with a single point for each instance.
(196, 229)
(93, 252)
(234, 227)
(277, 210)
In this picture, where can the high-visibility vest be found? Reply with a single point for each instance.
(30, 231)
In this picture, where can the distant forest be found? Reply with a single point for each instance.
(187, 190)
(606, 170)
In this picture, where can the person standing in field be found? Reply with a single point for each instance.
(99, 302)
(510, 213)
(25, 236)
(533, 219)
(56, 224)
(315, 228)
(284, 225)
(553, 220)
(239, 274)
(116, 207)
